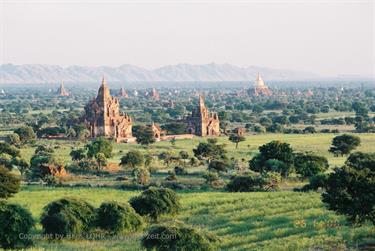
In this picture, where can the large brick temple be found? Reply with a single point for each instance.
(202, 122)
(103, 118)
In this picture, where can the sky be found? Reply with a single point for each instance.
(330, 38)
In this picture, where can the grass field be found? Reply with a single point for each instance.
(317, 143)
(242, 221)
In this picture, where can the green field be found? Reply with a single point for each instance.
(242, 221)
(317, 143)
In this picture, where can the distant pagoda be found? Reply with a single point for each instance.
(154, 94)
(62, 91)
(122, 93)
(259, 88)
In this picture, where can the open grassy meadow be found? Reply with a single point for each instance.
(242, 221)
(317, 143)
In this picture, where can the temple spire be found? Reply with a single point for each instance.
(103, 92)
(201, 101)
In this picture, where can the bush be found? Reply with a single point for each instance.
(67, 216)
(344, 144)
(9, 183)
(117, 217)
(219, 165)
(316, 182)
(308, 164)
(350, 190)
(155, 202)
(247, 184)
(141, 176)
(14, 221)
(179, 170)
(274, 150)
(178, 238)
(133, 159)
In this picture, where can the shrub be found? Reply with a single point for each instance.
(219, 165)
(179, 170)
(308, 164)
(9, 183)
(118, 217)
(14, 221)
(25, 133)
(141, 176)
(274, 150)
(133, 159)
(67, 216)
(247, 184)
(350, 190)
(178, 238)
(155, 202)
(315, 182)
(344, 144)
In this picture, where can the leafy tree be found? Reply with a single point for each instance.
(144, 135)
(141, 176)
(78, 154)
(247, 183)
(344, 144)
(100, 145)
(235, 138)
(13, 139)
(71, 133)
(67, 216)
(101, 160)
(133, 159)
(15, 222)
(309, 164)
(350, 190)
(44, 165)
(179, 237)
(315, 182)
(9, 149)
(209, 150)
(219, 165)
(26, 133)
(155, 202)
(118, 217)
(274, 150)
(9, 183)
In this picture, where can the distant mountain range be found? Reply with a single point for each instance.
(35, 73)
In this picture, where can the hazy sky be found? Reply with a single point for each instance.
(326, 37)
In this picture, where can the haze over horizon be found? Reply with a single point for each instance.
(327, 38)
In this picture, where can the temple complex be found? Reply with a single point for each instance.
(158, 132)
(61, 91)
(259, 88)
(154, 94)
(103, 118)
(203, 123)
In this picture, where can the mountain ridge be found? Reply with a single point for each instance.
(40, 73)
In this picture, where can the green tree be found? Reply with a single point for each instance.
(350, 190)
(235, 138)
(309, 164)
(100, 145)
(26, 133)
(101, 160)
(144, 135)
(15, 223)
(274, 150)
(78, 154)
(154, 202)
(221, 165)
(344, 144)
(9, 183)
(209, 150)
(184, 238)
(118, 217)
(133, 159)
